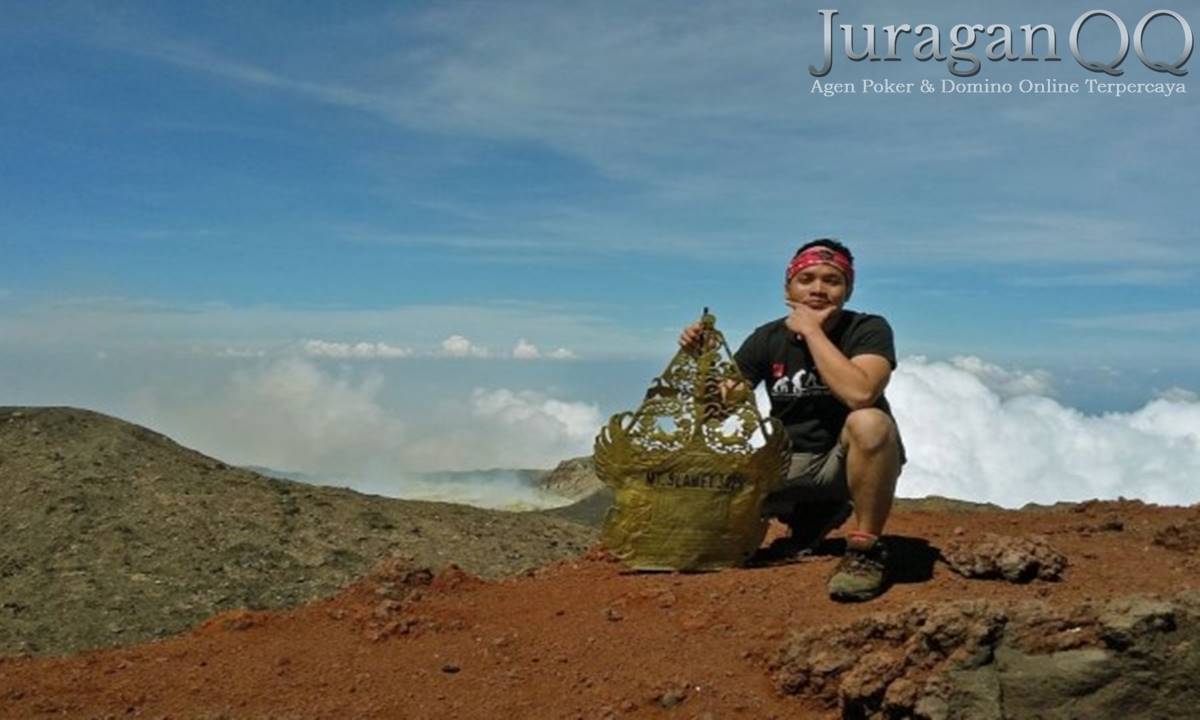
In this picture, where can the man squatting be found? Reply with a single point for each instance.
(826, 369)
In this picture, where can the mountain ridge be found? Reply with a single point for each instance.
(131, 536)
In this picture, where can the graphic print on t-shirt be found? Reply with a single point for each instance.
(804, 383)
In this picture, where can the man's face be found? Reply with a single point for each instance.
(818, 287)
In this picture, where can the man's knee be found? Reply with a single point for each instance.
(869, 430)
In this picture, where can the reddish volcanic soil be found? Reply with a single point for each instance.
(574, 640)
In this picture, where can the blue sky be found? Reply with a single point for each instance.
(190, 189)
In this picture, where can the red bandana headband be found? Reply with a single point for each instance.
(821, 255)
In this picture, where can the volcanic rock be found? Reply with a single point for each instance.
(985, 659)
(1183, 537)
(1015, 559)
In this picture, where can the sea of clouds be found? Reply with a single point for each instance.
(977, 431)
(972, 429)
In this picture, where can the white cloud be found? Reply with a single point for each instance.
(338, 426)
(321, 348)
(459, 346)
(510, 429)
(967, 440)
(525, 351)
(1006, 383)
(1178, 394)
(502, 428)
(574, 421)
(291, 415)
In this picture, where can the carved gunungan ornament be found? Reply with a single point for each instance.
(689, 469)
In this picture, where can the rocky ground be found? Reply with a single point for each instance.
(1073, 611)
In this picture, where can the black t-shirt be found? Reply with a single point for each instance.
(811, 413)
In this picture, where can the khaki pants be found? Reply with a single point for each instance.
(812, 477)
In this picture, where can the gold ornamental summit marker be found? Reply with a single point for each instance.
(690, 468)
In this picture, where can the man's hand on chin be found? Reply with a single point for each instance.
(806, 321)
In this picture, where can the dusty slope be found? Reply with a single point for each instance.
(583, 640)
(111, 533)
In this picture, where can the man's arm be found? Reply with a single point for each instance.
(858, 381)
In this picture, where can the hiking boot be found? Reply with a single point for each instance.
(810, 522)
(862, 573)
